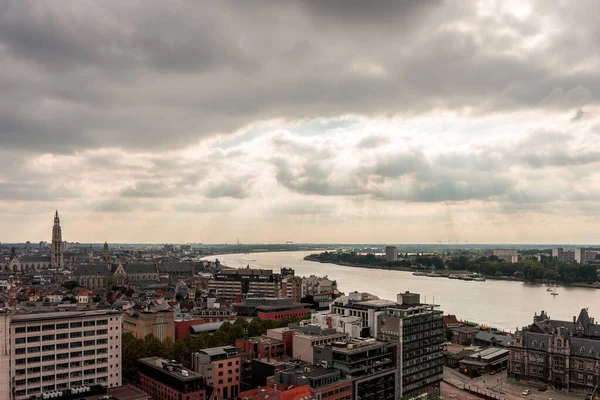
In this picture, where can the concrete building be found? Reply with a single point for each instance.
(59, 351)
(159, 322)
(163, 379)
(351, 326)
(418, 329)
(273, 309)
(559, 354)
(230, 284)
(363, 305)
(391, 253)
(370, 365)
(463, 335)
(563, 255)
(318, 285)
(585, 256)
(220, 366)
(291, 288)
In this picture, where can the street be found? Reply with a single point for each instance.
(498, 385)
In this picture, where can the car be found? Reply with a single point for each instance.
(493, 372)
(526, 392)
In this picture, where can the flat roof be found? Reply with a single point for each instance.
(376, 303)
(490, 353)
(311, 371)
(215, 351)
(62, 315)
(156, 362)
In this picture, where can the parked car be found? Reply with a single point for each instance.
(493, 372)
(526, 392)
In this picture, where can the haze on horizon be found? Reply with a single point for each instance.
(310, 121)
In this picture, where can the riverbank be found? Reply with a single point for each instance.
(446, 273)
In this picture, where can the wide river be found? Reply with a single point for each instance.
(501, 304)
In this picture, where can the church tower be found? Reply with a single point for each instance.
(105, 255)
(57, 243)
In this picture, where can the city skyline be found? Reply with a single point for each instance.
(387, 122)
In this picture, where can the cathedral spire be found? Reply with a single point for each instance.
(57, 243)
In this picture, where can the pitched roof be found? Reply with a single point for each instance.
(534, 340)
(177, 267)
(503, 340)
(35, 259)
(135, 268)
(92, 269)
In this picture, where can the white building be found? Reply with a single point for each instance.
(391, 253)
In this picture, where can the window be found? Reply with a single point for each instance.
(75, 335)
(89, 323)
(34, 328)
(33, 339)
(48, 347)
(20, 340)
(48, 327)
(62, 326)
(76, 325)
(47, 337)
(61, 336)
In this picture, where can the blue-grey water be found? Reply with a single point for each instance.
(501, 304)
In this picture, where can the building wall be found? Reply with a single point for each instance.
(160, 324)
(182, 328)
(5, 360)
(226, 377)
(280, 315)
(303, 345)
(50, 354)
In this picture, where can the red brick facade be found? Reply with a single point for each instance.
(159, 391)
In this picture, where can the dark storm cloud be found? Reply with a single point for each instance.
(94, 74)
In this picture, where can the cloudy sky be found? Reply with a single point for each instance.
(310, 121)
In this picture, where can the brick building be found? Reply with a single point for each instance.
(262, 346)
(220, 366)
(165, 380)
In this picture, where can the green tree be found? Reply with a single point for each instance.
(70, 285)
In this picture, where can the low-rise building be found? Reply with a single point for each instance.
(220, 366)
(463, 335)
(324, 383)
(158, 322)
(492, 358)
(163, 379)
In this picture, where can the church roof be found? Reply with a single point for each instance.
(134, 268)
(92, 269)
(174, 266)
(35, 259)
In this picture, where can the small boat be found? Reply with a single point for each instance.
(554, 293)
(549, 289)
(419, 273)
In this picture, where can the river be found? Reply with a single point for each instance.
(502, 304)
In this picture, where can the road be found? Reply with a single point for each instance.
(499, 385)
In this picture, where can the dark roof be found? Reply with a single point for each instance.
(140, 269)
(585, 347)
(35, 259)
(503, 340)
(92, 269)
(534, 340)
(177, 267)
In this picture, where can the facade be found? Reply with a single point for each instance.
(57, 244)
(314, 284)
(559, 354)
(59, 351)
(368, 363)
(141, 272)
(419, 331)
(324, 383)
(163, 379)
(585, 256)
(94, 276)
(160, 323)
(363, 305)
(492, 358)
(231, 283)
(319, 301)
(274, 309)
(391, 253)
(291, 288)
(220, 366)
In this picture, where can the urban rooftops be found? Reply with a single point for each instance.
(62, 315)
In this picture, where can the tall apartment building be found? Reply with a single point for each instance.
(232, 283)
(391, 253)
(563, 255)
(419, 331)
(291, 288)
(163, 379)
(370, 365)
(220, 366)
(160, 323)
(51, 352)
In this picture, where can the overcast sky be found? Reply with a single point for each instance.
(311, 121)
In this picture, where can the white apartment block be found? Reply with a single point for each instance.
(49, 352)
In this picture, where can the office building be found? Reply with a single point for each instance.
(563, 255)
(261, 346)
(60, 351)
(274, 309)
(363, 305)
(220, 366)
(230, 284)
(509, 255)
(391, 253)
(291, 288)
(163, 379)
(418, 329)
(370, 365)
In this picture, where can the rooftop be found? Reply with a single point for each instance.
(63, 315)
(310, 371)
(219, 351)
(179, 373)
